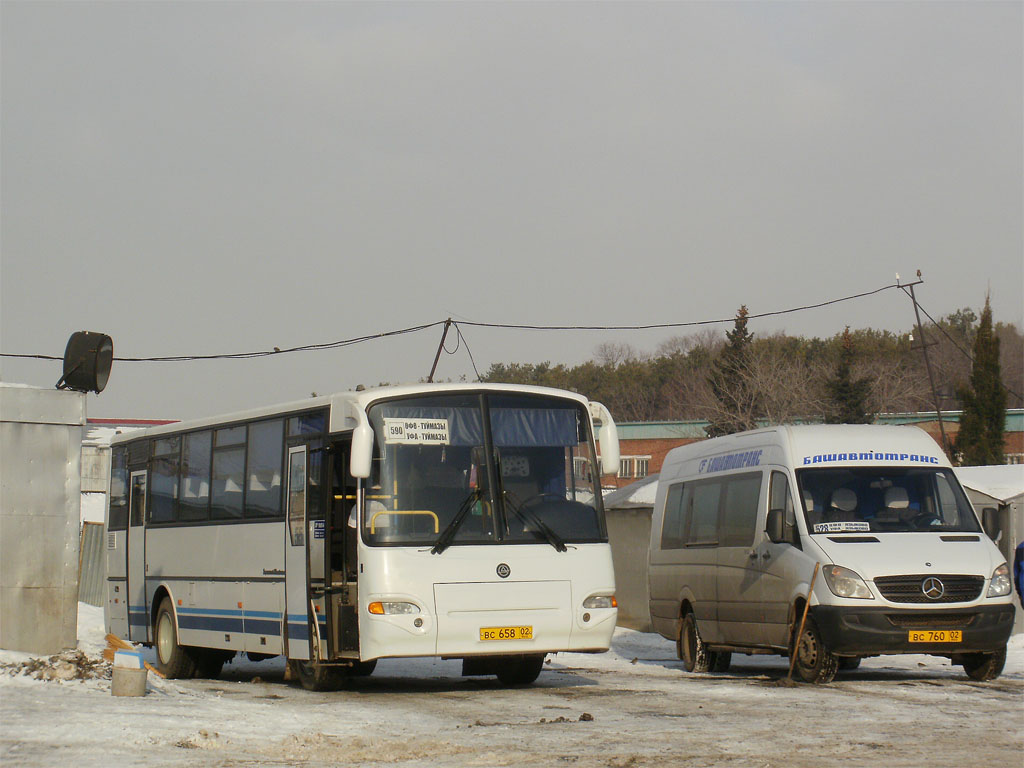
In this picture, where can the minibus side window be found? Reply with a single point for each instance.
(739, 513)
(677, 504)
(704, 522)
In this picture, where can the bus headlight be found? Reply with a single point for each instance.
(600, 601)
(392, 608)
(1000, 584)
(845, 583)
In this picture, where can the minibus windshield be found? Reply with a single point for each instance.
(482, 468)
(883, 499)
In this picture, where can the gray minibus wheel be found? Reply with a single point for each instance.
(690, 647)
(985, 666)
(814, 663)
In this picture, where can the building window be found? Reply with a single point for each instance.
(625, 467)
(641, 467)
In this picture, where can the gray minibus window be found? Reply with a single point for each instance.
(673, 528)
(739, 510)
(704, 521)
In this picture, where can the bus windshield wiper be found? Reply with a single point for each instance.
(445, 539)
(532, 518)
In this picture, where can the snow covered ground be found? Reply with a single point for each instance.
(633, 706)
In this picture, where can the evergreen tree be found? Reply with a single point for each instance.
(847, 396)
(729, 382)
(980, 439)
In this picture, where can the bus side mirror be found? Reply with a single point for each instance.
(361, 458)
(608, 439)
(775, 526)
(990, 522)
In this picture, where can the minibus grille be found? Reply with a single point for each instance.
(911, 589)
(940, 620)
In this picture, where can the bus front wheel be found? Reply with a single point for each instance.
(521, 670)
(984, 666)
(814, 662)
(172, 660)
(690, 647)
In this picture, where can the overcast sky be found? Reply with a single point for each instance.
(197, 178)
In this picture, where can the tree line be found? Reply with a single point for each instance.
(735, 379)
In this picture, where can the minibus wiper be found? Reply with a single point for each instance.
(531, 518)
(445, 539)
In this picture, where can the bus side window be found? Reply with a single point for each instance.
(673, 528)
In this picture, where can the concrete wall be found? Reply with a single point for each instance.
(629, 531)
(40, 497)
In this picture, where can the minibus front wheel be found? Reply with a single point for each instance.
(984, 666)
(814, 662)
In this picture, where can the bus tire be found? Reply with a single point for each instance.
(209, 662)
(984, 666)
(814, 662)
(171, 659)
(690, 647)
(520, 670)
(363, 668)
(315, 677)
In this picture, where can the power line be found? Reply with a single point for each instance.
(425, 326)
(954, 342)
(674, 325)
(259, 353)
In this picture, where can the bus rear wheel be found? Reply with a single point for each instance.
(316, 677)
(171, 659)
(520, 670)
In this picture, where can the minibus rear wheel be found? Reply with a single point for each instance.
(171, 659)
(689, 646)
(984, 666)
(814, 663)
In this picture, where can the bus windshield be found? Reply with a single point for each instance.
(482, 468)
(882, 499)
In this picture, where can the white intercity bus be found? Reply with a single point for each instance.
(456, 521)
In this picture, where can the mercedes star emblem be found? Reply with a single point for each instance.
(932, 588)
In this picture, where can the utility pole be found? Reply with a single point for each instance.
(928, 366)
(447, 325)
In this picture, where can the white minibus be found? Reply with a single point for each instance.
(872, 515)
(456, 521)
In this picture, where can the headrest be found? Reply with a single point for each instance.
(808, 501)
(844, 500)
(896, 498)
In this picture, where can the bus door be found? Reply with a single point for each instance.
(297, 627)
(138, 612)
(342, 557)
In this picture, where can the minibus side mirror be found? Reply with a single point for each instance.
(775, 526)
(990, 522)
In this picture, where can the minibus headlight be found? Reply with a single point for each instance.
(845, 583)
(392, 608)
(600, 601)
(1000, 584)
